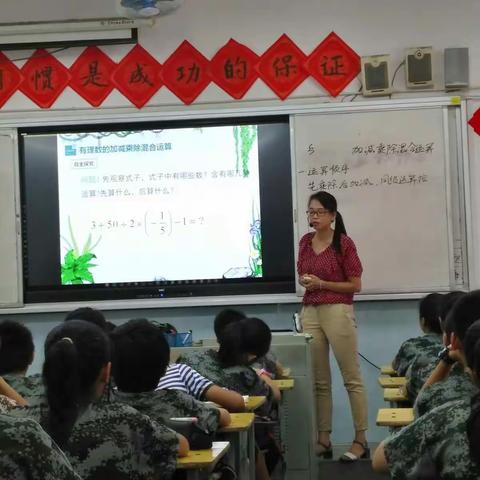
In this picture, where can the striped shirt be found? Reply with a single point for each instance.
(184, 378)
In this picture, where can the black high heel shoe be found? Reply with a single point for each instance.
(349, 457)
(326, 453)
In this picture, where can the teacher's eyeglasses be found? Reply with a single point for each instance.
(317, 213)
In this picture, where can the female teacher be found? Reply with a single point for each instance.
(330, 270)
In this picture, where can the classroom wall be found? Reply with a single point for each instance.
(368, 26)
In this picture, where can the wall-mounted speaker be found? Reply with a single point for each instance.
(457, 73)
(418, 67)
(376, 75)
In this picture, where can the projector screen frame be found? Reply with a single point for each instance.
(245, 287)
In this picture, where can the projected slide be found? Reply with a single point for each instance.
(159, 205)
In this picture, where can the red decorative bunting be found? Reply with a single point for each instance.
(91, 75)
(10, 78)
(137, 76)
(233, 68)
(474, 122)
(186, 73)
(281, 67)
(333, 64)
(45, 78)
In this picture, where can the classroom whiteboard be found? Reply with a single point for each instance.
(10, 256)
(390, 172)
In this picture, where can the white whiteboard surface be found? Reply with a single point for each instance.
(10, 264)
(389, 171)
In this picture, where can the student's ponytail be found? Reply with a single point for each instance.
(232, 351)
(471, 345)
(61, 376)
(75, 353)
(329, 203)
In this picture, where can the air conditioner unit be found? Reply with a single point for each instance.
(146, 8)
(70, 33)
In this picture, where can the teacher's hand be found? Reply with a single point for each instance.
(312, 282)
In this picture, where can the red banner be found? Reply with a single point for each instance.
(186, 72)
(333, 64)
(10, 78)
(281, 67)
(45, 78)
(137, 76)
(233, 68)
(91, 75)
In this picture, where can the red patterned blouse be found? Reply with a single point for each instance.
(329, 266)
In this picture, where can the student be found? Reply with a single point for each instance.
(102, 441)
(28, 453)
(16, 356)
(241, 343)
(141, 355)
(448, 434)
(420, 369)
(268, 364)
(429, 313)
(91, 315)
(186, 379)
(449, 380)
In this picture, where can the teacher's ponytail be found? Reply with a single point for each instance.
(337, 233)
(329, 203)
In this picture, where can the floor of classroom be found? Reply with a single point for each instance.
(361, 470)
(333, 469)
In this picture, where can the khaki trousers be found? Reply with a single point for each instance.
(334, 324)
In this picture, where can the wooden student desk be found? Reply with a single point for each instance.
(285, 384)
(197, 462)
(394, 395)
(392, 382)
(241, 435)
(388, 370)
(395, 417)
(252, 403)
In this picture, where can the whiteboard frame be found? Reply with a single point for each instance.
(458, 108)
(33, 118)
(11, 133)
(467, 197)
(448, 190)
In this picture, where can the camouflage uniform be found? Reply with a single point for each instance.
(440, 434)
(241, 379)
(28, 453)
(411, 348)
(268, 363)
(161, 405)
(114, 441)
(30, 388)
(420, 369)
(6, 404)
(457, 386)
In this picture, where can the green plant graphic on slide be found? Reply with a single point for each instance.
(76, 266)
(244, 136)
(255, 260)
